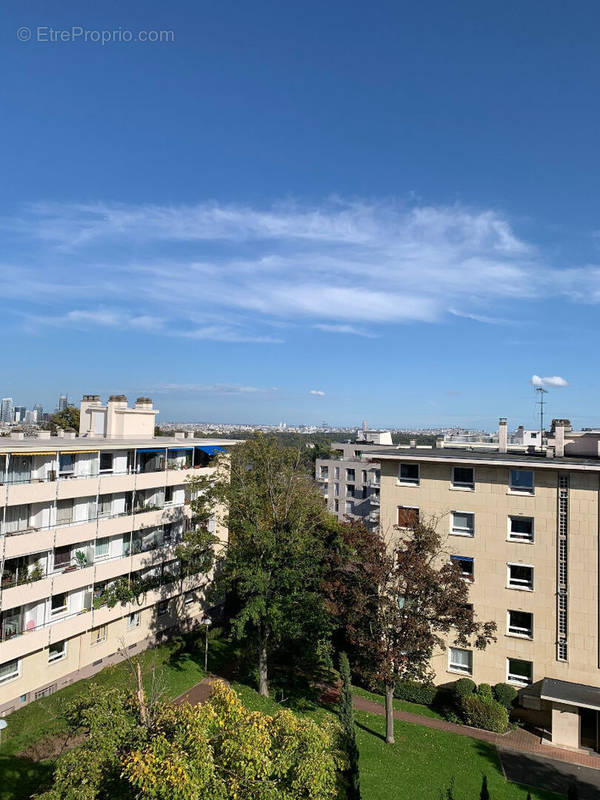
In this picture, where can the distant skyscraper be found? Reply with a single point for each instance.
(6, 410)
(38, 411)
(63, 402)
(19, 414)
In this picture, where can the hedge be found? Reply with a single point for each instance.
(484, 712)
(415, 692)
(505, 694)
(463, 688)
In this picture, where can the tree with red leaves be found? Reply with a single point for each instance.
(397, 602)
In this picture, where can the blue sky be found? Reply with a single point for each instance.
(304, 211)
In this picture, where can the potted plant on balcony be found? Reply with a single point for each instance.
(35, 574)
(81, 559)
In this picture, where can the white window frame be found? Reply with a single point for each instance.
(57, 611)
(464, 575)
(457, 668)
(59, 656)
(510, 537)
(460, 484)
(324, 472)
(13, 675)
(517, 680)
(469, 533)
(519, 587)
(409, 481)
(135, 615)
(99, 629)
(521, 633)
(348, 507)
(348, 478)
(519, 489)
(102, 557)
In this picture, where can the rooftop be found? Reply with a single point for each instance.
(64, 445)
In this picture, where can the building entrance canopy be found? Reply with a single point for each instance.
(570, 694)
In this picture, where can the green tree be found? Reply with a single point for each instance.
(216, 751)
(346, 714)
(272, 566)
(398, 602)
(67, 418)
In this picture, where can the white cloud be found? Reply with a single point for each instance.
(224, 272)
(215, 388)
(553, 380)
(352, 330)
(317, 392)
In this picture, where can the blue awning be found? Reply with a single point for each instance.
(211, 449)
(180, 448)
(461, 558)
(152, 450)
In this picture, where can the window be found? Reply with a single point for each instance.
(463, 477)
(521, 480)
(324, 473)
(16, 519)
(336, 473)
(10, 669)
(364, 476)
(58, 604)
(407, 516)
(105, 505)
(336, 490)
(350, 490)
(409, 473)
(460, 660)
(65, 464)
(336, 505)
(64, 512)
(169, 494)
(349, 508)
(57, 651)
(520, 576)
(163, 608)
(465, 565)
(101, 549)
(520, 623)
(520, 529)
(365, 491)
(133, 620)
(189, 598)
(106, 462)
(62, 557)
(350, 475)
(462, 523)
(98, 635)
(518, 671)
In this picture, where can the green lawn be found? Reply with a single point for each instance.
(417, 767)
(399, 705)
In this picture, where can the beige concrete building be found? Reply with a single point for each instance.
(76, 513)
(523, 526)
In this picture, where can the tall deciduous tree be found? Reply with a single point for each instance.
(398, 602)
(278, 531)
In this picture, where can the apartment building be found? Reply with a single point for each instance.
(76, 513)
(523, 526)
(350, 483)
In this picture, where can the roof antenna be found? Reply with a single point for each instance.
(541, 402)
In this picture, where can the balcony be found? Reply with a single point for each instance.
(375, 499)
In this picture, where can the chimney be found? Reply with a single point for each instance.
(60, 433)
(559, 439)
(179, 434)
(439, 443)
(502, 435)
(143, 402)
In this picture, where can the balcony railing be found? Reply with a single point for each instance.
(71, 523)
(53, 475)
(14, 627)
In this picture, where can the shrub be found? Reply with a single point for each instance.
(484, 712)
(463, 688)
(415, 692)
(505, 694)
(484, 690)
